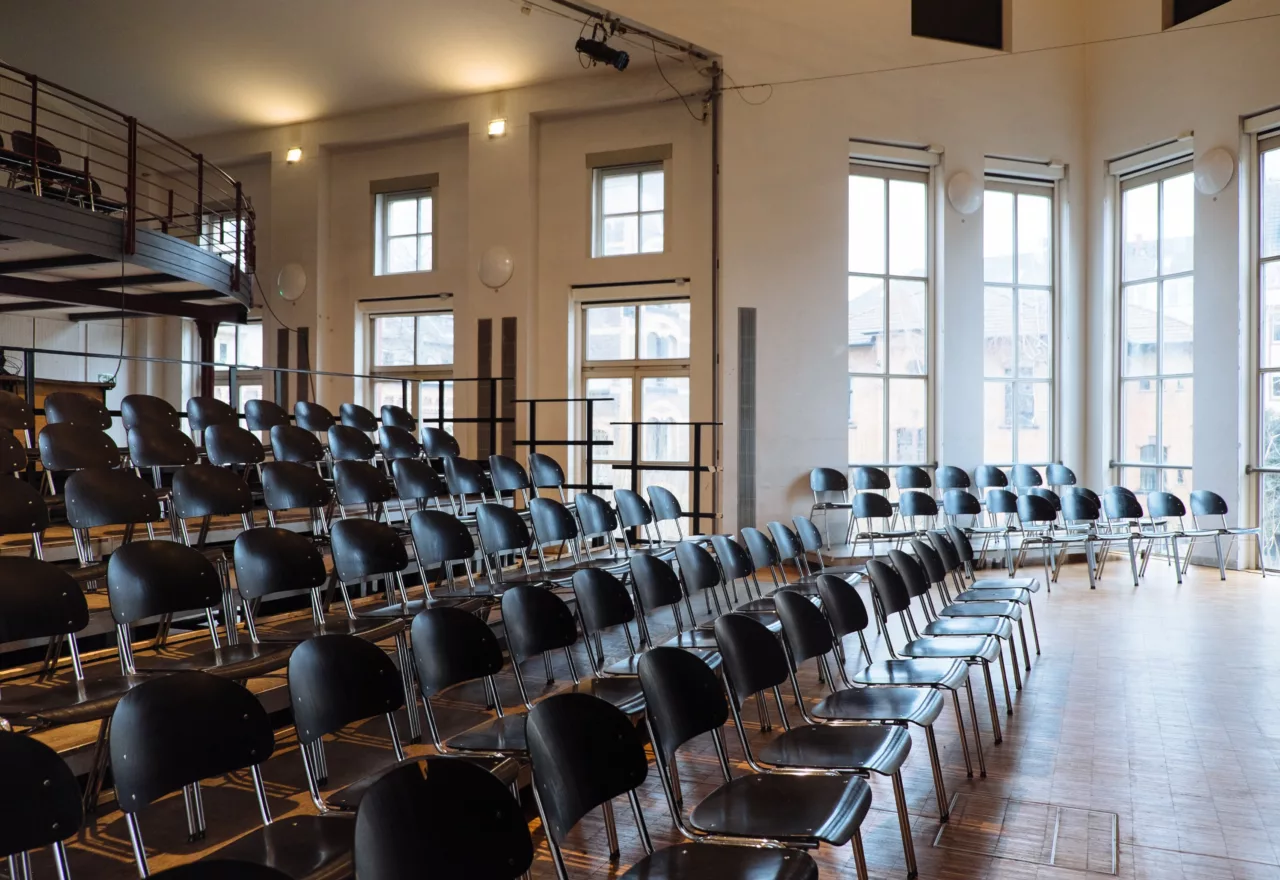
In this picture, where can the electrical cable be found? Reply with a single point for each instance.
(703, 117)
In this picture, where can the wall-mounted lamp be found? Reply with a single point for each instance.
(497, 127)
(294, 156)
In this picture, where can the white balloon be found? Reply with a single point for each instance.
(1214, 171)
(291, 282)
(496, 267)
(964, 193)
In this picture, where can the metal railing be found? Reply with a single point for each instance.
(694, 466)
(534, 441)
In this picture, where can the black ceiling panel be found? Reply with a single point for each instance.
(1178, 11)
(972, 22)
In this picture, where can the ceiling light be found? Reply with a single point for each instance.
(497, 127)
(601, 52)
(294, 156)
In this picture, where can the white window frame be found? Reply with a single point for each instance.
(218, 236)
(598, 177)
(222, 375)
(1263, 137)
(415, 373)
(382, 238)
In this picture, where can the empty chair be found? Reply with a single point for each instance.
(989, 476)
(353, 415)
(15, 414)
(67, 447)
(347, 443)
(287, 485)
(155, 445)
(554, 525)
(964, 550)
(439, 443)
(545, 473)
(765, 554)
(737, 565)
(666, 508)
(96, 497)
(830, 489)
(585, 753)
(204, 490)
(504, 534)
(417, 482)
(396, 443)
(1003, 519)
(171, 732)
(1080, 514)
(466, 480)
(658, 586)
(204, 412)
(868, 508)
(22, 508)
(13, 455)
(292, 443)
(811, 543)
(1125, 515)
(361, 484)
(1059, 476)
(232, 445)
(1037, 518)
(1211, 506)
(918, 510)
(441, 542)
(870, 479)
(1168, 508)
(311, 416)
(912, 476)
(46, 808)
(74, 408)
(263, 415)
(949, 555)
(1023, 477)
(952, 477)
(399, 417)
(700, 572)
(636, 517)
(597, 522)
(143, 409)
(509, 477)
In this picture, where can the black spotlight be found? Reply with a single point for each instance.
(598, 50)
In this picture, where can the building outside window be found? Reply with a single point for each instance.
(417, 349)
(629, 210)
(404, 232)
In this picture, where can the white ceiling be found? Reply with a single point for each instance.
(190, 68)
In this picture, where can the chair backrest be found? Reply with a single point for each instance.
(144, 409)
(396, 442)
(399, 417)
(358, 482)
(584, 752)
(825, 479)
(912, 476)
(311, 416)
(888, 587)
(339, 679)
(106, 498)
(870, 479)
(913, 574)
(952, 477)
(594, 515)
(545, 471)
(232, 444)
(843, 606)
(353, 415)
(1048, 495)
(960, 502)
(148, 578)
(1024, 476)
(682, 695)
(753, 658)
(807, 632)
(464, 476)
(153, 444)
(74, 408)
(15, 414)
(501, 529)
(536, 620)
(872, 505)
(35, 147)
(791, 545)
(22, 508)
(452, 646)
(287, 485)
(43, 791)
(665, 505)
(1001, 501)
(38, 600)
(507, 474)
(929, 559)
(350, 444)
(439, 443)
(697, 569)
(292, 443)
(633, 510)
(1206, 503)
(1087, 493)
(763, 551)
(913, 502)
(208, 490)
(363, 548)
(946, 549)
(416, 480)
(1165, 504)
(602, 600)
(552, 522)
(959, 540)
(989, 476)
(447, 812)
(173, 730)
(440, 538)
(1035, 509)
(1059, 475)
(656, 582)
(734, 561)
(68, 447)
(270, 560)
(1122, 505)
(202, 412)
(1078, 507)
(263, 415)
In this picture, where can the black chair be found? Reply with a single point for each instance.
(700, 572)
(811, 542)
(347, 443)
(234, 446)
(1168, 508)
(503, 533)
(688, 700)
(873, 507)
(960, 541)
(1080, 514)
(158, 447)
(737, 565)
(143, 409)
(15, 415)
(22, 509)
(508, 476)
(1059, 477)
(1002, 516)
(830, 489)
(912, 476)
(448, 812)
(311, 416)
(952, 563)
(766, 555)
(1124, 515)
(870, 479)
(96, 497)
(545, 473)
(295, 444)
(204, 412)
(951, 477)
(201, 491)
(441, 542)
(585, 753)
(636, 516)
(396, 443)
(989, 476)
(1037, 519)
(360, 484)
(553, 525)
(288, 485)
(399, 417)
(656, 586)
(755, 662)
(67, 447)
(915, 506)
(597, 522)
(353, 415)
(1205, 505)
(1023, 477)
(439, 443)
(666, 508)
(417, 482)
(171, 732)
(45, 804)
(263, 415)
(466, 480)
(13, 455)
(74, 408)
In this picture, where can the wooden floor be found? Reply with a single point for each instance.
(1153, 711)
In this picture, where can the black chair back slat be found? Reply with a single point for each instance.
(683, 697)
(753, 658)
(501, 529)
(806, 531)
(263, 415)
(1165, 504)
(15, 414)
(399, 417)
(1036, 509)
(287, 485)
(417, 480)
(734, 561)
(952, 477)
(633, 510)
(914, 575)
(452, 646)
(148, 578)
(74, 408)
(106, 498)
(545, 471)
(507, 474)
(916, 503)
(269, 560)
(989, 476)
(397, 443)
(22, 508)
(665, 505)
(208, 490)
(311, 416)
(232, 444)
(961, 542)
(825, 479)
(1078, 507)
(961, 502)
(698, 569)
(552, 521)
(204, 412)
(789, 544)
(595, 515)
(353, 415)
(292, 443)
(350, 444)
(656, 582)
(602, 600)
(912, 476)
(464, 476)
(1048, 495)
(926, 557)
(872, 505)
(363, 548)
(1001, 501)
(843, 606)
(43, 792)
(137, 410)
(1024, 476)
(807, 632)
(536, 621)
(1059, 475)
(38, 600)
(870, 479)
(888, 586)
(440, 537)
(68, 447)
(155, 445)
(762, 550)
(339, 679)
(1206, 503)
(358, 482)
(439, 443)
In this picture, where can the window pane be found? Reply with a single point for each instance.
(1138, 420)
(1141, 230)
(391, 393)
(402, 217)
(997, 434)
(250, 346)
(429, 409)
(402, 254)
(1271, 519)
(620, 193)
(611, 334)
(1035, 230)
(651, 233)
(1177, 419)
(1270, 448)
(907, 323)
(866, 325)
(997, 321)
(620, 235)
(1178, 325)
(435, 339)
(393, 342)
(224, 344)
(249, 392)
(651, 191)
(222, 392)
(908, 228)
(866, 420)
(908, 416)
(1035, 334)
(1178, 216)
(1033, 422)
(424, 214)
(1140, 330)
(1271, 209)
(664, 330)
(997, 239)
(1271, 313)
(425, 256)
(665, 399)
(866, 224)
(605, 475)
(618, 409)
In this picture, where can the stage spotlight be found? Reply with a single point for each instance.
(601, 52)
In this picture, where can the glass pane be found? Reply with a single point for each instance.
(1271, 314)
(1177, 419)
(1035, 239)
(402, 217)
(1035, 333)
(866, 420)
(620, 235)
(1270, 446)
(393, 341)
(665, 399)
(651, 191)
(391, 393)
(866, 224)
(435, 339)
(997, 427)
(250, 350)
(224, 344)
(1140, 330)
(402, 254)
(651, 233)
(605, 475)
(664, 330)
(429, 407)
(222, 392)
(866, 325)
(249, 392)
(679, 485)
(1271, 206)
(611, 333)
(1033, 417)
(1141, 480)
(997, 239)
(907, 321)
(424, 214)
(1138, 420)
(1178, 218)
(425, 256)
(997, 319)
(908, 418)
(618, 409)
(908, 228)
(1271, 519)
(620, 193)
(1140, 208)
(1178, 325)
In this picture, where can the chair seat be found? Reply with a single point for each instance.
(764, 603)
(1000, 627)
(768, 619)
(977, 647)
(1006, 584)
(700, 861)
(569, 565)
(1240, 530)
(68, 703)
(629, 666)
(504, 735)
(245, 660)
(410, 609)
(805, 586)
(786, 807)
(300, 847)
(367, 628)
(851, 572)
(923, 672)
(348, 799)
(693, 639)
(1011, 610)
(839, 747)
(621, 691)
(1021, 596)
(915, 705)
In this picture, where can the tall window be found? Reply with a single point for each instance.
(404, 233)
(416, 349)
(636, 361)
(630, 210)
(1269, 342)
(241, 345)
(889, 263)
(219, 238)
(1018, 311)
(1157, 219)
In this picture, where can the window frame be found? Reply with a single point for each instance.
(598, 177)
(244, 377)
(1267, 377)
(414, 373)
(382, 238)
